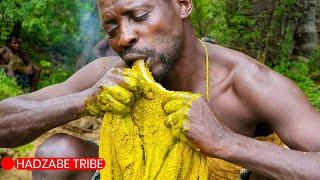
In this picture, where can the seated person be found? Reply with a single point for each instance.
(26, 73)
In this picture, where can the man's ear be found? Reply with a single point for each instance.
(185, 7)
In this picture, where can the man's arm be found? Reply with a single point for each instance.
(24, 118)
(280, 103)
(22, 121)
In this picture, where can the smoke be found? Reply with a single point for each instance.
(89, 24)
(82, 37)
(89, 29)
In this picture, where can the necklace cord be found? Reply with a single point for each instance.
(207, 70)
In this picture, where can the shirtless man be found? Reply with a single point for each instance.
(24, 71)
(246, 98)
(12, 63)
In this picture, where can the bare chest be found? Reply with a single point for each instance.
(233, 112)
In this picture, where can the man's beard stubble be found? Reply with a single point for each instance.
(167, 59)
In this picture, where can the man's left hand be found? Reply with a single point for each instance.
(198, 122)
(205, 131)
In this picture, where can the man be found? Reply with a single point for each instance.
(246, 99)
(27, 74)
(12, 63)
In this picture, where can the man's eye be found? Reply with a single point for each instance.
(112, 33)
(139, 18)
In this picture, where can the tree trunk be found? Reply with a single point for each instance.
(318, 21)
(306, 36)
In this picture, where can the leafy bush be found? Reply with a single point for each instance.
(43, 22)
(53, 75)
(9, 86)
(22, 151)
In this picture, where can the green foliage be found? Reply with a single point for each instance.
(45, 65)
(208, 19)
(314, 63)
(53, 75)
(247, 26)
(51, 32)
(44, 22)
(22, 151)
(286, 45)
(8, 86)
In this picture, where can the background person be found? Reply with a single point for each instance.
(28, 75)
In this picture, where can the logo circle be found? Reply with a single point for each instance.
(7, 163)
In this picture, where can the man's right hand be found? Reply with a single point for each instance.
(115, 92)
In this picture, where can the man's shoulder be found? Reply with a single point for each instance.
(253, 80)
(237, 64)
(240, 64)
(248, 74)
(227, 56)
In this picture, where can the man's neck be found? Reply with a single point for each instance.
(189, 67)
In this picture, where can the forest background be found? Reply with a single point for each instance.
(59, 36)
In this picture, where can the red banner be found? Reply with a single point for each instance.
(74, 164)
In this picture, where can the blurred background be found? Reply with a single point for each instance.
(51, 39)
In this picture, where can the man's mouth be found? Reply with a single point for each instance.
(130, 58)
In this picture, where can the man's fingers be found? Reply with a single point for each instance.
(120, 94)
(114, 99)
(124, 79)
(176, 119)
(109, 103)
(129, 72)
(187, 97)
(133, 85)
(173, 106)
(178, 124)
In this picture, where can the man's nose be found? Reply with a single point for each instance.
(127, 37)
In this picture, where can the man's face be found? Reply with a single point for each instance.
(144, 29)
(15, 44)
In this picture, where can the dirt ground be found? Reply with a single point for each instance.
(84, 128)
